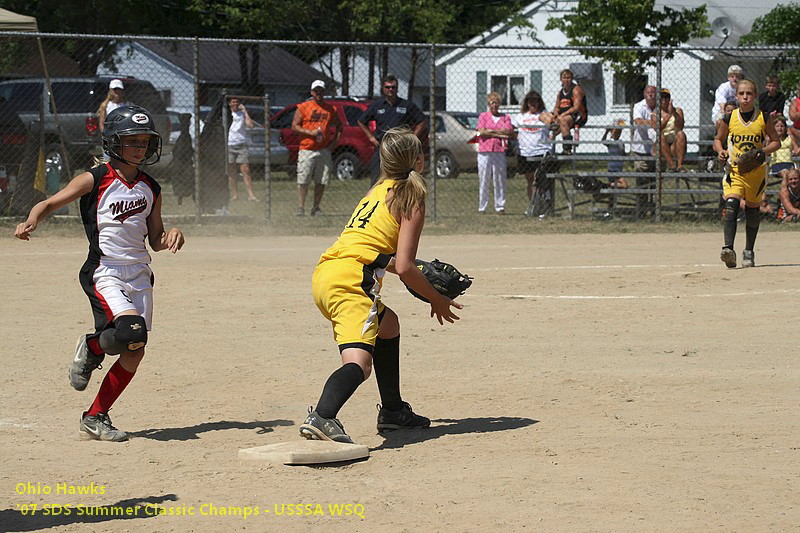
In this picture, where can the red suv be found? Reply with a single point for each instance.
(353, 152)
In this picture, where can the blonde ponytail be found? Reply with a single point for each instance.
(400, 150)
(104, 103)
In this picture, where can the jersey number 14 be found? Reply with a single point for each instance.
(362, 219)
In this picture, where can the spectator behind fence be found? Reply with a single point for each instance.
(713, 164)
(789, 210)
(642, 144)
(570, 109)
(794, 109)
(238, 153)
(389, 112)
(114, 99)
(728, 109)
(532, 127)
(182, 165)
(673, 138)
(780, 161)
(726, 92)
(494, 129)
(616, 148)
(772, 101)
(313, 121)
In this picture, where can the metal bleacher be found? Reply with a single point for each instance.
(698, 190)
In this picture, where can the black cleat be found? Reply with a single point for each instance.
(317, 428)
(80, 371)
(748, 259)
(98, 427)
(728, 257)
(403, 418)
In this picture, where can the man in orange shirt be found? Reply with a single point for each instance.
(313, 121)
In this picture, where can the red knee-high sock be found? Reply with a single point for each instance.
(114, 383)
(93, 342)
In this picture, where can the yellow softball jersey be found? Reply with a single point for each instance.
(745, 136)
(347, 282)
(370, 235)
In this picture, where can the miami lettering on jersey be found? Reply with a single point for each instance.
(124, 209)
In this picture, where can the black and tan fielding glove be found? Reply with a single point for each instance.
(750, 160)
(444, 277)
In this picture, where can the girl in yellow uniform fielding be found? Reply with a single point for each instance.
(382, 235)
(746, 128)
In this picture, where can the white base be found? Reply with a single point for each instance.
(305, 452)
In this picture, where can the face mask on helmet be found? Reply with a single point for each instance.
(130, 120)
(113, 147)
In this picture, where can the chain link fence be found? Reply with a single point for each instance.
(607, 160)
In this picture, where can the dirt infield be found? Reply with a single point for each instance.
(594, 383)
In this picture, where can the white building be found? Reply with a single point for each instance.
(692, 75)
(169, 66)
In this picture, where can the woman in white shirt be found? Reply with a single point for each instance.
(532, 126)
(114, 99)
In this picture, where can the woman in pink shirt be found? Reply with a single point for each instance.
(494, 130)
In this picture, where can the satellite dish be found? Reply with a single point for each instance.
(721, 27)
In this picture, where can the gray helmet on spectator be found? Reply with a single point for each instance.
(130, 120)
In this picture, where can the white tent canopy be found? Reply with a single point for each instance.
(14, 22)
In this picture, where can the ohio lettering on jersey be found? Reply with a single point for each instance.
(126, 208)
(737, 139)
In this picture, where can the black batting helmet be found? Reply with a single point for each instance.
(130, 120)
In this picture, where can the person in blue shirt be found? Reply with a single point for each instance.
(389, 112)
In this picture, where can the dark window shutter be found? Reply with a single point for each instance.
(481, 91)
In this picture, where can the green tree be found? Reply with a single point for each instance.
(780, 27)
(426, 21)
(169, 17)
(250, 19)
(632, 23)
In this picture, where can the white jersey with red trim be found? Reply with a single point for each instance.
(115, 215)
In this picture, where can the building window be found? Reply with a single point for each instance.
(628, 90)
(510, 88)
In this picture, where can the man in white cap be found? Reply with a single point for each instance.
(726, 92)
(319, 127)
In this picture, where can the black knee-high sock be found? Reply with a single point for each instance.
(752, 219)
(338, 389)
(386, 361)
(731, 214)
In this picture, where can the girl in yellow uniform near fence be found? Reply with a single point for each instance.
(382, 235)
(746, 128)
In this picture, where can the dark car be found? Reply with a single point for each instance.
(13, 139)
(353, 152)
(77, 100)
(278, 152)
